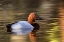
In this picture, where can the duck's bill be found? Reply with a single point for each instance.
(38, 18)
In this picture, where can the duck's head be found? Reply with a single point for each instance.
(33, 16)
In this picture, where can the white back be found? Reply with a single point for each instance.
(22, 27)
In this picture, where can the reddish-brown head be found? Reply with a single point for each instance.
(32, 17)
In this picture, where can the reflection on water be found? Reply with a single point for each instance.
(15, 10)
(19, 38)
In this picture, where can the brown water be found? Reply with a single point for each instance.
(16, 10)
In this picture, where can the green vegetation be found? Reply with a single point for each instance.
(53, 32)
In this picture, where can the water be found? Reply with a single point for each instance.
(16, 10)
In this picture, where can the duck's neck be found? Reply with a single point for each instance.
(31, 22)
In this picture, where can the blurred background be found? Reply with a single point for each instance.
(16, 10)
